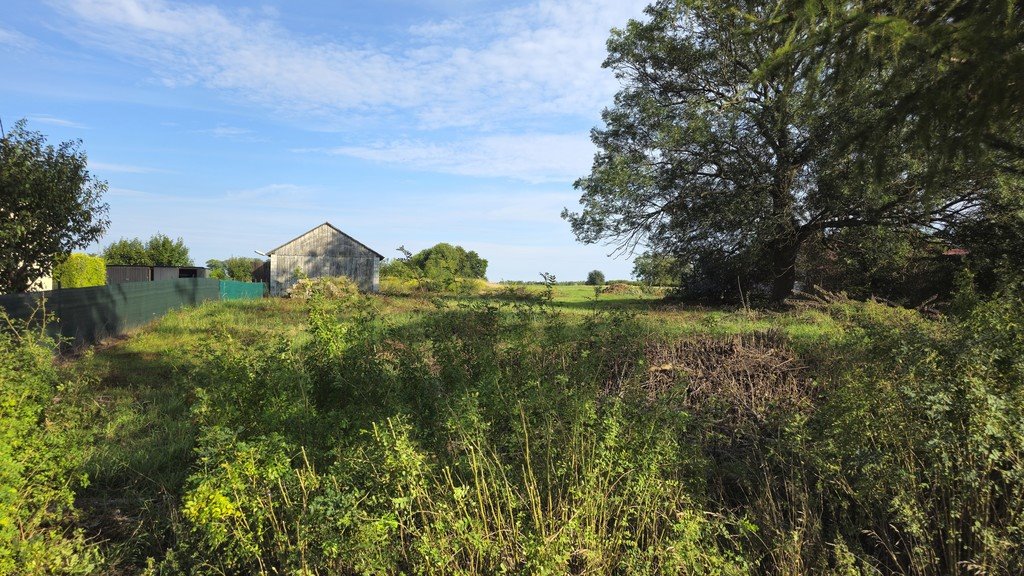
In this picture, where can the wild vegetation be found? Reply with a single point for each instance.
(238, 268)
(440, 268)
(557, 433)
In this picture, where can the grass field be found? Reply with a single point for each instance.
(516, 433)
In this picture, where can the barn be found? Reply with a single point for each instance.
(324, 251)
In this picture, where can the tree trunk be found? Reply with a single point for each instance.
(784, 254)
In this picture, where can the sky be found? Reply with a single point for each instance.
(240, 125)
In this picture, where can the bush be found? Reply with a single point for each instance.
(595, 278)
(80, 271)
(332, 288)
(42, 450)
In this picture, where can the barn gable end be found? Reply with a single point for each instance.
(324, 251)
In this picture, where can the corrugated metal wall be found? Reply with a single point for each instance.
(324, 252)
(119, 274)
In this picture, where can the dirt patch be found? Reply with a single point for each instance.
(743, 377)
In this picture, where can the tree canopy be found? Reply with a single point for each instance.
(445, 261)
(50, 205)
(127, 252)
(656, 269)
(236, 268)
(159, 250)
(944, 70)
(733, 166)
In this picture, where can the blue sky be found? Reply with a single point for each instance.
(240, 125)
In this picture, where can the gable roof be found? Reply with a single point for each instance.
(333, 227)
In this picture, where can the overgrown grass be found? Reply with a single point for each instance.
(525, 434)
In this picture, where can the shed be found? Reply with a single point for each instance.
(175, 272)
(118, 274)
(324, 251)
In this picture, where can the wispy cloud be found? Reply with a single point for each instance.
(229, 131)
(534, 158)
(15, 39)
(54, 121)
(123, 168)
(235, 133)
(540, 59)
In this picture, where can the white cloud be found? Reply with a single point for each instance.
(54, 121)
(534, 158)
(542, 59)
(235, 133)
(122, 168)
(15, 39)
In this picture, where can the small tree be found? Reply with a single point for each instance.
(657, 269)
(241, 268)
(595, 278)
(80, 271)
(217, 269)
(125, 252)
(159, 250)
(166, 252)
(50, 205)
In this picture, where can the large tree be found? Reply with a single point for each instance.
(731, 166)
(947, 73)
(446, 262)
(50, 205)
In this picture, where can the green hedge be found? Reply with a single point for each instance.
(80, 271)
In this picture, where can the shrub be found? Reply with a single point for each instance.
(595, 278)
(80, 271)
(332, 288)
(42, 449)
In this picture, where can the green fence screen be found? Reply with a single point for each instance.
(234, 290)
(87, 315)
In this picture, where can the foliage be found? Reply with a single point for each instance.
(904, 268)
(51, 205)
(411, 465)
(235, 268)
(375, 434)
(125, 252)
(925, 426)
(163, 251)
(941, 67)
(441, 268)
(444, 262)
(399, 269)
(595, 278)
(333, 288)
(43, 444)
(159, 250)
(655, 269)
(734, 169)
(80, 271)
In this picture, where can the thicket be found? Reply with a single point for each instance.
(44, 442)
(440, 268)
(504, 438)
(238, 268)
